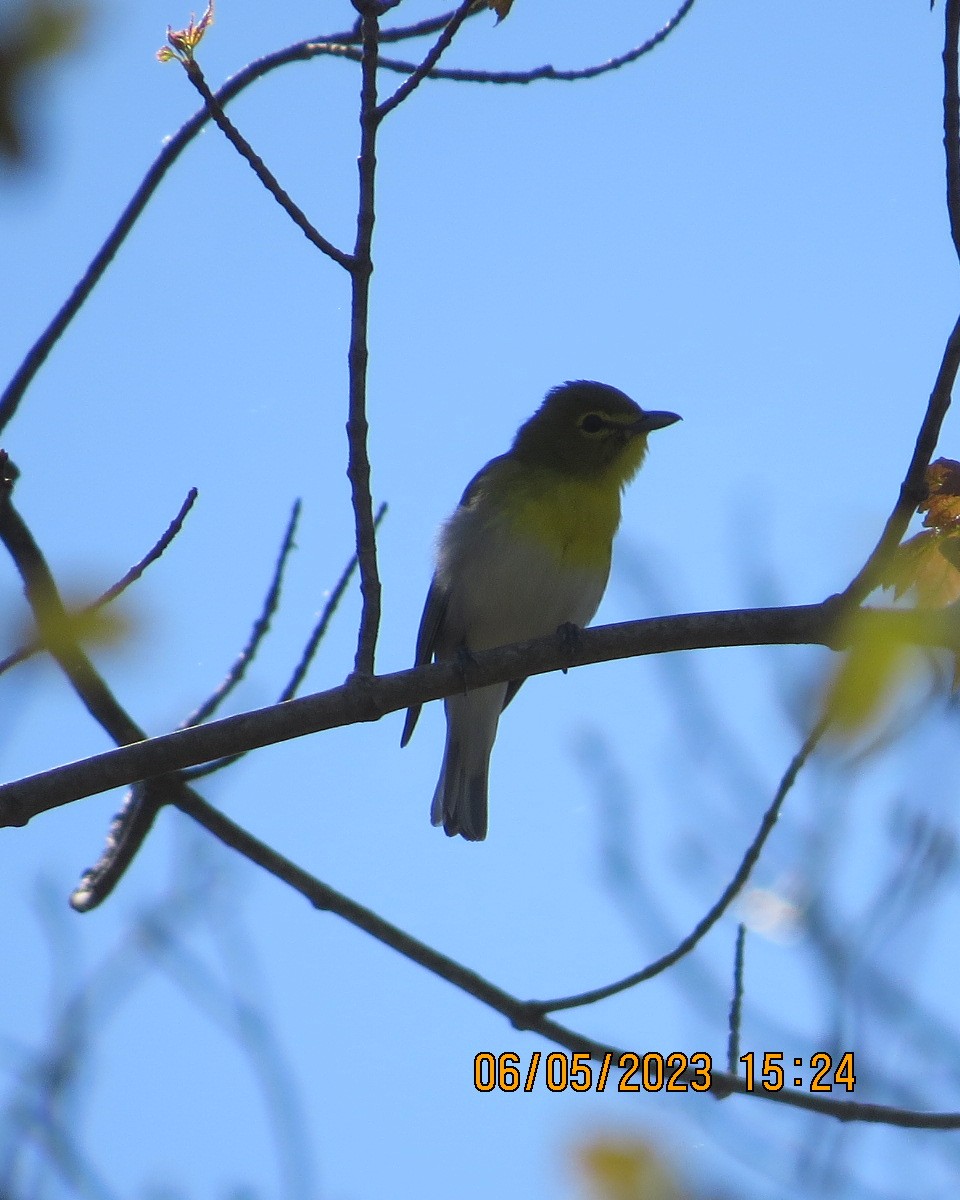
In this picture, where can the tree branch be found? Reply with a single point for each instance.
(366, 699)
(417, 76)
(34, 647)
(326, 898)
(261, 627)
(54, 624)
(261, 170)
(303, 51)
(361, 268)
(713, 915)
(913, 489)
(306, 658)
(533, 74)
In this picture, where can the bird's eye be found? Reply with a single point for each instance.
(591, 423)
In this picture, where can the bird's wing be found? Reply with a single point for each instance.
(430, 622)
(435, 608)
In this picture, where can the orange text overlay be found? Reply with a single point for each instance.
(559, 1071)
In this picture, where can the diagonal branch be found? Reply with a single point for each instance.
(713, 915)
(300, 671)
(25, 652)
(913, 488)
(951, 116)
(417, 76)
(327, 899)
(326, 616)
(261, 170)
(261, 627)
(54, 624)
(303, 51)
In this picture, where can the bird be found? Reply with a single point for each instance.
(526, 552)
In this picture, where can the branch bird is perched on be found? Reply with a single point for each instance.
(527, 550)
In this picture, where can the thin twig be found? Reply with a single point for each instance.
(951, 116)
(35, 646)
(736, 1003)
(127, 832)
(320, 628)
(261, 170)
(54, 624)
(300, 671)
(261, 627)
(150, 557)
(532, 75)
(361, 268)
(710, 918)
(417, 76)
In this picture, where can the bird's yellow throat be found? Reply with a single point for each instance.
(575, 517)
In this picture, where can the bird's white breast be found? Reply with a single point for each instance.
(504, 586)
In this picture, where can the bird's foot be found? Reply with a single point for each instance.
(465, 661)
(568, 634)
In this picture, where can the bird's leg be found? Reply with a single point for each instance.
(568, 634)
(465, 660)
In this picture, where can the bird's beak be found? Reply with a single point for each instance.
(654, 420)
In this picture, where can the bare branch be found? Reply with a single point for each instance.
(337, 44)
(361, 268)
(326, 616)
(534, 74)
(417, 76)
(365, 699)
(261, 170)
(326, 898)
(54, 623)
(25, 652)
(707, 922)
(736, 1004)
(299, 52)
(127, 833)
(260, 629)
(913, 489)
(951, 116)
(313, 642)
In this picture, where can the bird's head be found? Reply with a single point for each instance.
(590, 431)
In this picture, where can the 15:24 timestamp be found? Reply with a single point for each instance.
(817, 1074)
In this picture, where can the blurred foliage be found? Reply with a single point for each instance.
(32, 37)
(928, 565)
(625, 1168)
(879, 666)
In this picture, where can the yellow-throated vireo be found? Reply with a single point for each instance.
(527, 550)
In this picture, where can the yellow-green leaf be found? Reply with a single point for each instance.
(929, 564)
(871, 674)
(625, 1168)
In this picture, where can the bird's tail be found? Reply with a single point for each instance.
(460, 801)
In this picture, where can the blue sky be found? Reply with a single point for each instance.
(747, 227)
